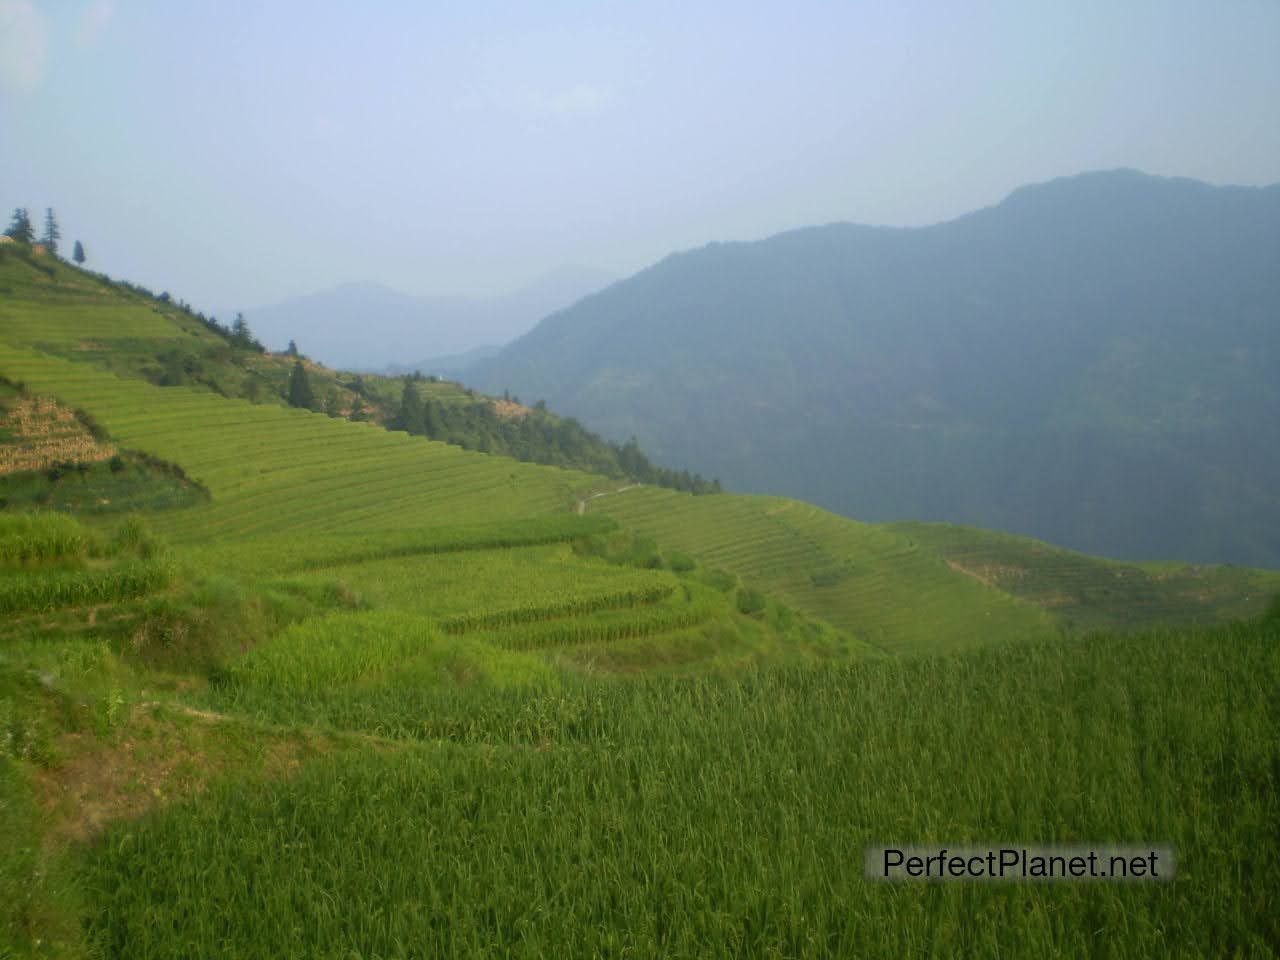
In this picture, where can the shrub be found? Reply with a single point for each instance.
(750, 601)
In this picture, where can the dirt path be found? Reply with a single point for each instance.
(582, 504)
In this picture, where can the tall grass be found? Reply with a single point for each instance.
(293, 553)
(30, 538)
(610, 625)
(40, 592)
(570, 605)
(341, 648)
(728, 817)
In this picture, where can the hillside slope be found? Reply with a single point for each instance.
(61, 310)
(1089, 362)
(280, 471)
(492, 708)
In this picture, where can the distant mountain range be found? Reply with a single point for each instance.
(1094, 361)
(361, 326)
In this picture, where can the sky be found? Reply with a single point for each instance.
(238, 153)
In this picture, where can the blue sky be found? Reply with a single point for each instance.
(237, 153)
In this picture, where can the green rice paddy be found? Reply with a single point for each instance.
(377, 696)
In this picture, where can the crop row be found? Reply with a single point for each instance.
(275, 469)
(35, 322)
(332, 651)
(284, 554)
(888, 592)
(40, 538)
(570, 607)
(41, 593)
(730, 816)
(605, 627)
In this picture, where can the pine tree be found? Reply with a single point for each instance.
(51, 232)
(242, 336)
(78, 255)
(432, 425)
(292, 349)
(410, 416)
(300, 394)
(20, 229)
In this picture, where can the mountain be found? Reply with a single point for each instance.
(368, 327)
(256, 660)
(453, 365)
(1091, 362)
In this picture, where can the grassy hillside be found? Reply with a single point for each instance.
(860, 578)
(364, 693)
(255, 459)
(872, 583)
(908, 587)
(1091, 592)
(519, 813)
(61, 310)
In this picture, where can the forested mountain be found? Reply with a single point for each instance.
(1092, 361)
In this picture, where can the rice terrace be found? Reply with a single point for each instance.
(302, 657)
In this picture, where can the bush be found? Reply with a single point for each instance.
(720, 580)
(750, 601)
(679, 562)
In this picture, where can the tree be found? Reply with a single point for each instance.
(300, 394)
(78, 255)
(240, 329)
(292, 349)
(432, 424)
(51, 232)
(410, 419)
(20, 229)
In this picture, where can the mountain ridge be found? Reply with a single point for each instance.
(370, 326)
(1102, 334)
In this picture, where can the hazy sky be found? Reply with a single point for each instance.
(235, 153)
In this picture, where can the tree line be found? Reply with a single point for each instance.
(534, 435)
(21, 230)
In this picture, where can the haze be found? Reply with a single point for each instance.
(236, 152)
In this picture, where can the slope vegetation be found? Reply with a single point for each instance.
(58, 309)
(271, 468)
(375, 695)
(876, 584)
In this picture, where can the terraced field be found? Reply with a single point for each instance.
(1092, 592)
(436, 646)
(486, 583)
(279, 473)
(864, 579)
(80, 314)
(273, 470)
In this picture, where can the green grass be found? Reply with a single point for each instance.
(483, 582)
(254, 460)
(666, 728)
(860, 578)
(125, 485)
(688, 607)
(41, 538)
(880, 585)
(728, 817)
(293, 553)
(42, 591)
